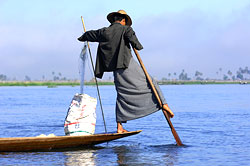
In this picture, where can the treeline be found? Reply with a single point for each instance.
(240, 74)
(55, 77)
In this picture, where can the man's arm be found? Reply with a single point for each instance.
(131, 37)
(92, 36)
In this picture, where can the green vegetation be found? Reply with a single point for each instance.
(49, 84)
(38, 83)
(74, 83)
(99, 83)
(240, 76)
(179, 82)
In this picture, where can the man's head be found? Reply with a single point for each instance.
(120, 19)
(119, 16)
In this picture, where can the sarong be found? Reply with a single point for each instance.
(135, 99)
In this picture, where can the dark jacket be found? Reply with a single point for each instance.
(114, 47)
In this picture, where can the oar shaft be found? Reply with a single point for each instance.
(98, 91)
(177, 138)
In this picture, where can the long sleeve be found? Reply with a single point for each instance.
(92, 36)
(133, 40)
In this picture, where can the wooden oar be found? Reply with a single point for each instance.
(166, 114)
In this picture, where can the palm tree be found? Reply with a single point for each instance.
(27, 78)
(175, 75)
(230, 73)
(3, 77)
(169, 75)
(198, 74)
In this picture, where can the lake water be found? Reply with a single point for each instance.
(213, 121)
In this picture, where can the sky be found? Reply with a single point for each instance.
(40, 37)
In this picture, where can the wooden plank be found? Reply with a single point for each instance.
(22, 144)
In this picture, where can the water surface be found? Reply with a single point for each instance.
(211, 120)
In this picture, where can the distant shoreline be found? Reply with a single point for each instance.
(77, 83)
(50, 83)
(194, 82)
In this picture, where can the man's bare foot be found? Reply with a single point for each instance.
(165, 107)
(120, 129)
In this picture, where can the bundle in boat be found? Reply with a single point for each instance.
(81, 116)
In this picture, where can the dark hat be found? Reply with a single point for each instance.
(110, 17)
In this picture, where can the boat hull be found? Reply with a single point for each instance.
(23, 144)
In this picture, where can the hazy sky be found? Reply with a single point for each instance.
(39, 37)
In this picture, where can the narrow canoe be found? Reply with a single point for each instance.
(23, 144)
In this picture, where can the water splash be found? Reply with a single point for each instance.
(82, 62)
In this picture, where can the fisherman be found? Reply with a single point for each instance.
(135, 98)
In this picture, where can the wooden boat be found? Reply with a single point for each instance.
(22, 144)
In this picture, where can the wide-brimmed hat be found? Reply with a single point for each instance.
(110, 17)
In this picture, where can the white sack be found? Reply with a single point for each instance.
(81, 117)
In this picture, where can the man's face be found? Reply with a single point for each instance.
(123, 22)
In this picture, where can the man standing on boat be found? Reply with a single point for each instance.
(135, 98)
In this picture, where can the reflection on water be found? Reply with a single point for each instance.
(30, 158)
(142, 155)
(124, 155)
(80, 158)
(170, 153)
